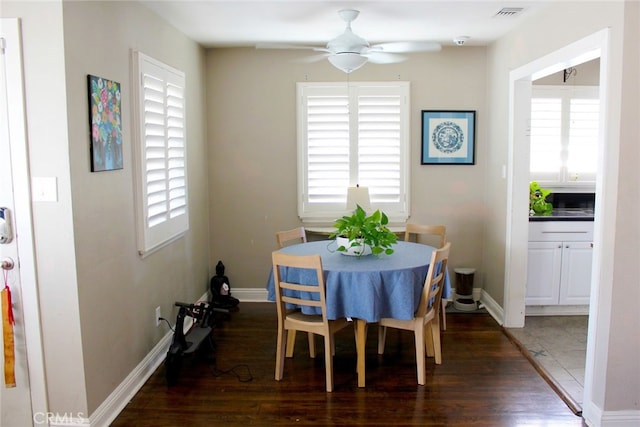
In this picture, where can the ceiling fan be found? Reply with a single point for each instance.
(348, 52)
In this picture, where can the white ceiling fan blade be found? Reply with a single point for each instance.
(348, 51)
(312, 58)
(403, 47)
(290, 46)
(384, 57)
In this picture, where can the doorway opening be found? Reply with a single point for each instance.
(587, 49)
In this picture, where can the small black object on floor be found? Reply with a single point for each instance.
(221, 290)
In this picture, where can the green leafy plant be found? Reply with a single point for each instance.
(538, 204)
(362, 230)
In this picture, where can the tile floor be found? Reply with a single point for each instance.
(559, 345)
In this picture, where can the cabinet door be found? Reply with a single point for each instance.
(575, 285)
(543, 273)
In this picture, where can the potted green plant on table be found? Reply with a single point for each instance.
(361, 234)
(538, 204)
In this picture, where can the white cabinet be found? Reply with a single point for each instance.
(559, 263)
(544, 266)
(575, 283)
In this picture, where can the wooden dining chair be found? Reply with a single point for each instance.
(290, 237)
(310, 295)
(413, 233)
(421, 233)
(295, 235)
(425, 324)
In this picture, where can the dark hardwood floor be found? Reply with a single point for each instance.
(484, 380)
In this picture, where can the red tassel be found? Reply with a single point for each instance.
(12, 320)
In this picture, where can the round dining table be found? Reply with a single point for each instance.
(366, 288)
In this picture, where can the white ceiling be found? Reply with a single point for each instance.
(218, 23)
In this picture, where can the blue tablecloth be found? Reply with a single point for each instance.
(369, 287)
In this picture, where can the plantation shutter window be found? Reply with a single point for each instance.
(546, 138)
(379, 146)
(582, 158)
(327, 160)
(564, 135)
(161, 190)
(352, 134)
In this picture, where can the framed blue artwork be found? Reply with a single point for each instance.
(448, 137)
(105, 124)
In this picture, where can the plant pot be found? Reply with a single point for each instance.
(360, 250)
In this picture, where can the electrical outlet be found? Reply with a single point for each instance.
(158, 316)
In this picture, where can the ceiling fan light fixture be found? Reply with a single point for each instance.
(347, 61)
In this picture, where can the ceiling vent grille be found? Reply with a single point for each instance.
(508, 12)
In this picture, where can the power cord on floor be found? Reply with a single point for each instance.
(248, 378)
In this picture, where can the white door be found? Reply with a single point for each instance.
(22, 404)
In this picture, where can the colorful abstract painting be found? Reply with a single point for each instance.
(106, 124)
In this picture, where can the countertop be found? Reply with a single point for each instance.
(566, 214)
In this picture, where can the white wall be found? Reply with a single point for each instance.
(252, 139)
(523, 45)
(585, 74)
(118, 291)
(613, 351)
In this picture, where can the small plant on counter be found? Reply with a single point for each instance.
(362, 231)
(538, 204)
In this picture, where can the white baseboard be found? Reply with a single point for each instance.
(494, 309)
(595, 417)
(620, 418)
(557, 310)
(120, 397)
(260, 294)
(250, 294)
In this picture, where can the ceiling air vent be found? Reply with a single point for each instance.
(508, 12)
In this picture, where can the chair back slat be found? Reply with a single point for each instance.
(434, 282)
(435, 289)
(301, 301)
(300, 287)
